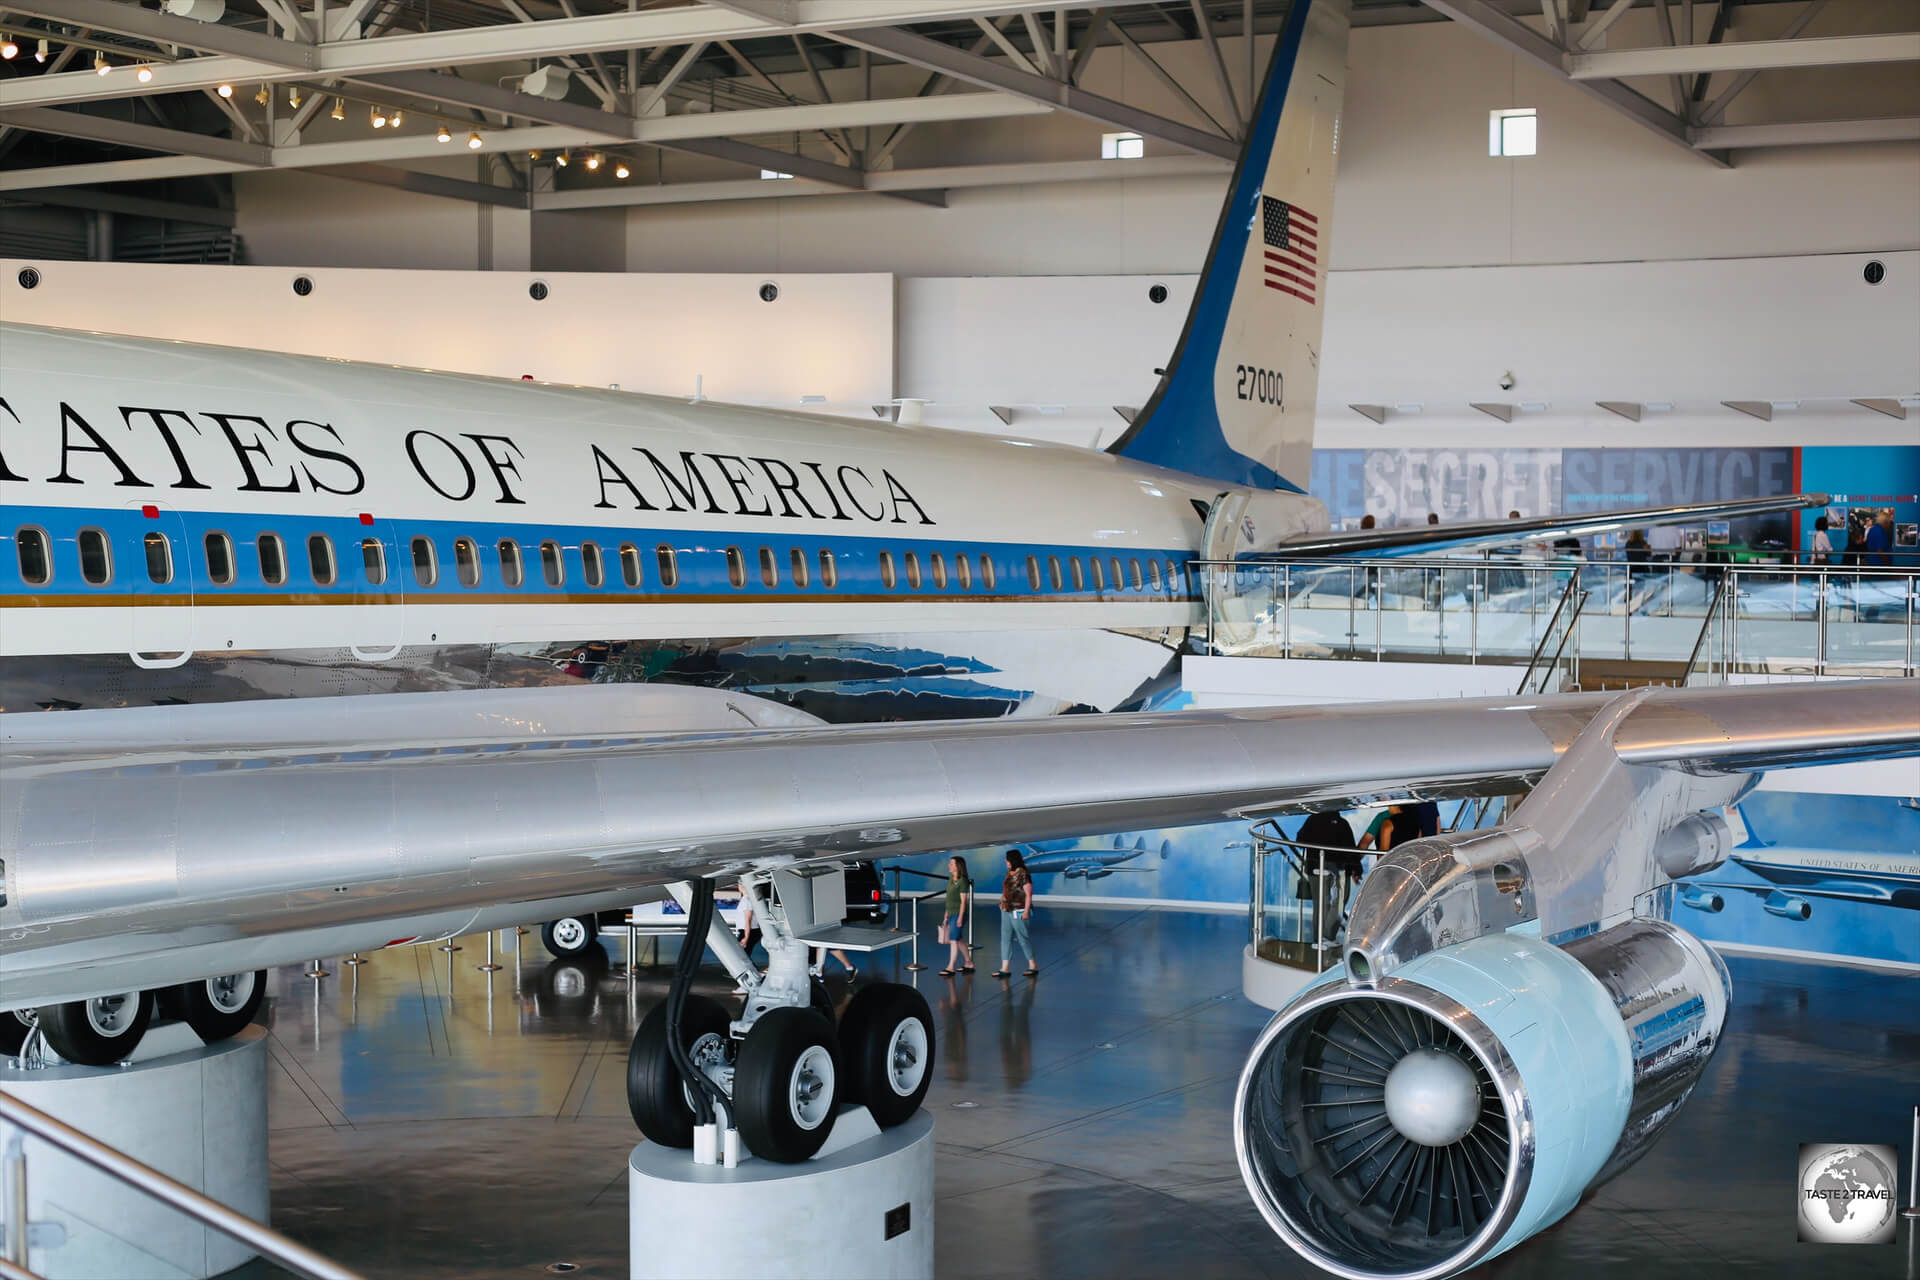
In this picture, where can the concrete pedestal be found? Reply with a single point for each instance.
(864, 1212)
(198, 1115)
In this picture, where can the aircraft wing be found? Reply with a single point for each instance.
(1476, 535)
(147, 846)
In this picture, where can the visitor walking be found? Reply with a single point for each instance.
(953, 923)
(1016, 908)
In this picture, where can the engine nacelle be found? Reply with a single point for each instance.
(1412, 1128)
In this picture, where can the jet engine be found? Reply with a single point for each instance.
(1412, 1127)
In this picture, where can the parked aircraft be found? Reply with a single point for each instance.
(198, 539)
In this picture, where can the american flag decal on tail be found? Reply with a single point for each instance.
(1292, 237)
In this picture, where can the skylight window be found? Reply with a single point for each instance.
(1122, 146)
(1513, 132)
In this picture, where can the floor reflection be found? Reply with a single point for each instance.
(431, 1119)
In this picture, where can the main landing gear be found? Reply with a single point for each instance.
(103, 1030)
(779, 1073)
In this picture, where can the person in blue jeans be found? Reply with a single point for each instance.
(1016, 908)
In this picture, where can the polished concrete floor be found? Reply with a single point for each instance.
(431, 1120)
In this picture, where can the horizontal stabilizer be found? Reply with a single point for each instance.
(1475, 535)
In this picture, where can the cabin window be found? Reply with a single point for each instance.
(669, 565)
(1079, 574)
(159, 551)
(1133, 571)
(426, 565)
(466, 561)
(96, 557)
(1153, 573)
(939, 572)
(1053, 572)
(1033, 572)
(593, 569)
(963, 573)
(219, 552)
(913, 570)
(373, 559)
(736, 567)
(797, 566)
(769, 568)
(829, 571)
(552, 568)
(629, 565)
(1118, 581)
(986, 573)
(273, 559)
(320, 560)
(36, 565)
(1099, 579)
(887, 576)
(1174, 582)
(513, 571)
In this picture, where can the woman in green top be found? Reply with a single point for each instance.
(953, 927)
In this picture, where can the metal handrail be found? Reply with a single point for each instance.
(1699, 641)
(1321, 587)
(1573, 587)
(263, 1239)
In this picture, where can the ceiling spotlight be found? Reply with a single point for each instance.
(263, 97)
(225, 91)
(40, 54)
(593, 160)
(473, 142)
(533, 155)
(9, 49)
(293, 96)
(100, 64)
(563, 159)
(339, 111)
(144, 75)
(378, 115)
(621, 170)
(445, 134)
(398, 116)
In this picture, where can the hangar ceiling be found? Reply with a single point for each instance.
(111, 105)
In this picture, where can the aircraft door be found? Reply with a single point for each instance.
(1232, 611)
(158, 570)
(376, 569)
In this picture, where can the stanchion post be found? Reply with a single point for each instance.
(490, 966)
(355, 959)
(1913, 1173)
(914, 964)
(315, 972)
(895, 927)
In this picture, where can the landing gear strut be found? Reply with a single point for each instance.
(777, 1074)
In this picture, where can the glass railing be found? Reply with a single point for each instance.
(1501, 609)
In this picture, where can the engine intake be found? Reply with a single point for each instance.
(1410, 1129)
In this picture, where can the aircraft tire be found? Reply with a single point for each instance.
(820, 1000)
(97, 1032)
(15, 1027)
(569, 936)
(656, 1094)
(216, 1008)
(786, 1085)
(886, 1040)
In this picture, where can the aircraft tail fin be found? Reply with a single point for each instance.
(1236, 401)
